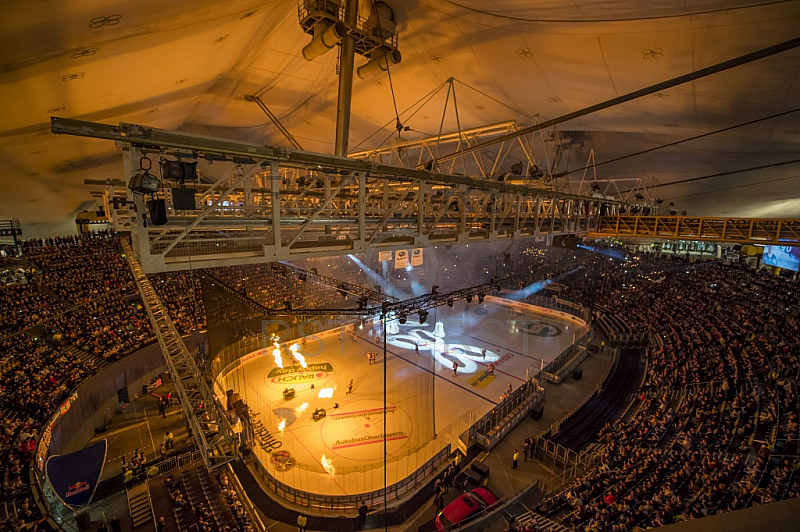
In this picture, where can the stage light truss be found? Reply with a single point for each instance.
(760, 231)
(210, 426)
(534, 167)
(260, 204)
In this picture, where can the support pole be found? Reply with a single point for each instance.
(346, 66)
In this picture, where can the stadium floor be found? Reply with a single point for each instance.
(518, 342)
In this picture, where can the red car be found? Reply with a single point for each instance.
(463, 508)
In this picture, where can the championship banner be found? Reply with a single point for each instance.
(416, 257)
(383, 256)
(74, 477)
(400, 259)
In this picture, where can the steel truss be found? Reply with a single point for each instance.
(210, 426)
(258, 204)
(535, 167)
(740, 230)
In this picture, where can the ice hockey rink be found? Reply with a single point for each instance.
(428, 406)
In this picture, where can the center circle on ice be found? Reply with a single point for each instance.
(355, 431)
(317, 372)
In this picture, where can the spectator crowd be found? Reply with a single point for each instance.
(714, 428)
(75, 309)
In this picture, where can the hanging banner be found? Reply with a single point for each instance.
(64, 408)
(74, 477)
(416, 257)
(401, 258)
(383, 256)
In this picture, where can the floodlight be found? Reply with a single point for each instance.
(325, 38)
(379, 62)
(144, 183)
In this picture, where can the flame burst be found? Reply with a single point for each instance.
(327, 465)
(276, 353)
(302, 408)
(325, 393)
(295, 349)
(282, 425)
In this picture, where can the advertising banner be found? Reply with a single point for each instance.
(74, 476)
(416, 257)
(400, 259)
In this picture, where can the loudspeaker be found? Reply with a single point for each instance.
(158, 211)
(122, 395)
(537, 412)
(577, 374)
(183, 199)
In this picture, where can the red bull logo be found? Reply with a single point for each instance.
(78, 487)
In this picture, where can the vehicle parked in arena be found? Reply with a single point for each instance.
(464, 508)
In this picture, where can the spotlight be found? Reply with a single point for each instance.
(434, 288)
(595, 186)
(493, 279)
(144, 184)
(506, 258)
(302, 277)
(402, 319)
(178, 170)
(325, 38)
(469, 298)
(380, 61)
(288, 304)
(516, 168)
(450, 302)
(362, 302)
(480, 298)
(423, 316)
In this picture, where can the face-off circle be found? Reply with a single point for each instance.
(539, 328)
(355, 431)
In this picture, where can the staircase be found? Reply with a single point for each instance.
(139, 505)
(541, 522)
(86, 358)
(8, 513)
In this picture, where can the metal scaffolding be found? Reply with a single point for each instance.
(735, 230)
(210, 426)
(256, 203)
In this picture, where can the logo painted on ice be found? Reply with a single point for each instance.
(298, 374)
(443, 352)
(537, 328)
